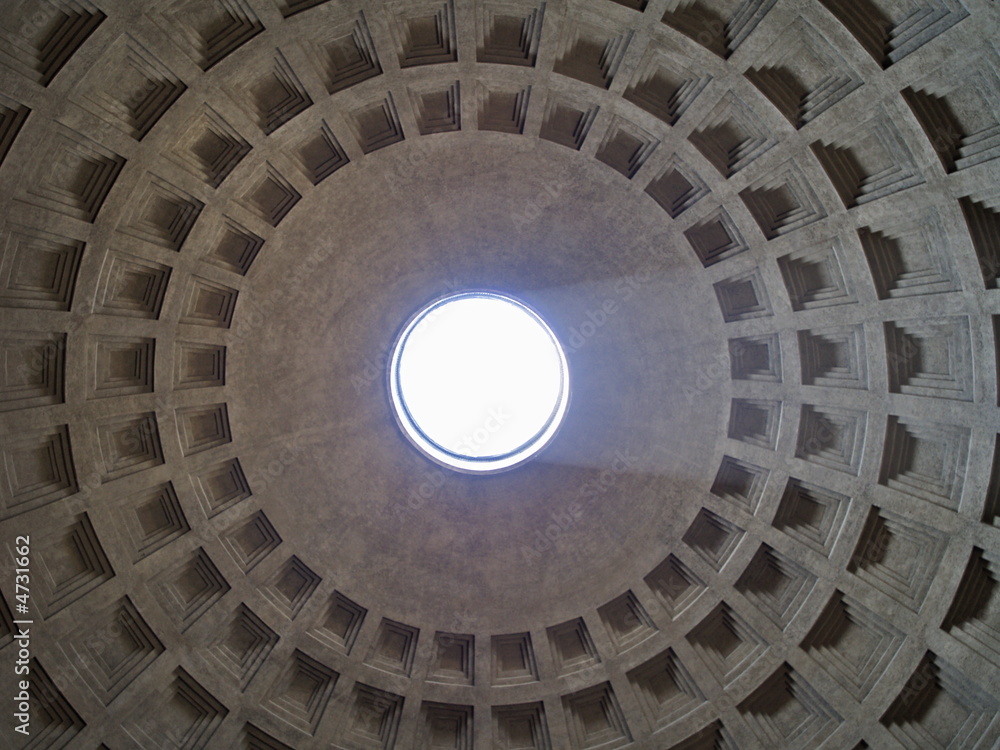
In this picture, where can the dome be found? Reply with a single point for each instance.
(765, 235)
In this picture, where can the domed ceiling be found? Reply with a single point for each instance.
(767, 234)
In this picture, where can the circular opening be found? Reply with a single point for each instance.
(478, 382)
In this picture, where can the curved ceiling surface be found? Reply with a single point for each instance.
(767, 235)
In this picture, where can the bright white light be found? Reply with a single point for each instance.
(479, 382)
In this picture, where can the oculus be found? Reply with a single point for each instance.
(478, 382)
